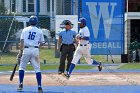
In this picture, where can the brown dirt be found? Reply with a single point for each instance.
(78, 79)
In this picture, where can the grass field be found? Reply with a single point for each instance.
(43, 67)
(130, 66)
(45, 54)
(49, 56)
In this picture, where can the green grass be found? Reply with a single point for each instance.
(49, 56)
(130, 66)
(45, 54)
(43, 67)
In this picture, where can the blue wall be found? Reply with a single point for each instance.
(106, 24)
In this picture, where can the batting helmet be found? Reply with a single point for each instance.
(33, 20)
(83, 21)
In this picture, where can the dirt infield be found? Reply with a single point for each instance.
(102, 78)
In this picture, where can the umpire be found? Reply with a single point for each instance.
(66, 40)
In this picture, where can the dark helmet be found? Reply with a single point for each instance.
(33, 20)
(65, 22)
(83, 21)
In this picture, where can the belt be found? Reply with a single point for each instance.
(67, 44)
(30, 46)
(84, 44)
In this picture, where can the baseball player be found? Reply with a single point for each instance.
(30, 40)
(83, 48)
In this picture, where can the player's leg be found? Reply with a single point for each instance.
(24, 60)
(62, 60)
(77, 56)
(36, 65)
(93, 62)
(69, 58)
(88, 59)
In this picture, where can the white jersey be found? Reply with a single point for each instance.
(84, 48)
(84, 32)
(32, 36)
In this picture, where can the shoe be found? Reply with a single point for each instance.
(59, 73)
(66, 76)
(40, 89)
(100, 66)
(20, 87)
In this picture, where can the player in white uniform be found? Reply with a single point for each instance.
(83, 48)
(30, 40)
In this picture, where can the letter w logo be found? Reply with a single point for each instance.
(107, 16)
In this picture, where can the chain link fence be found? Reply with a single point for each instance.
(10, 31)
(14, 18)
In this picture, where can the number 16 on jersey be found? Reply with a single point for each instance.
(31, 35)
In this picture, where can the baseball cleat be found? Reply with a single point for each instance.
(100, 66)
(40, 89)
(66, 76)
(20, 87)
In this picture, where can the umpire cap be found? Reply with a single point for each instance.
(33, 20)
(65, 22)
(82, 21)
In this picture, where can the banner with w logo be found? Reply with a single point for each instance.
(105, 19)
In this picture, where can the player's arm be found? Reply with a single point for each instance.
(41, 41)
(22, 37)
(59, 42)
(21, 44)
(19, 55)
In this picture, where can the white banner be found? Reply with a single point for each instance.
(60, 18)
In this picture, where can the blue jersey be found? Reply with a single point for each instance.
(67, 36)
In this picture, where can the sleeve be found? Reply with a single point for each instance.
(74, 34)
(60, 34)
(86, 33)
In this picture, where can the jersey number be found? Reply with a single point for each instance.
(31, 35)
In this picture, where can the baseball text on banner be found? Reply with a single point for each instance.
(106, 24)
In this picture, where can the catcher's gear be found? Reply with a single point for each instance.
(33, 20)
(82, 21)
(19, 56)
